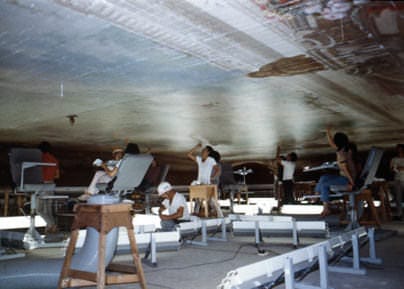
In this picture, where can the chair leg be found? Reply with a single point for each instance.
(101, 260)
(69, 254)
(136, 259)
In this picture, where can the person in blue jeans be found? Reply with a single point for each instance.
(346, 165)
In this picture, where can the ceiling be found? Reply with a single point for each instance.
(243, 75)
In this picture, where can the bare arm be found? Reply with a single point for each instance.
(161, 209)
(112, 173)
(330, 139)
(215, 171)
(192, 151)
(174, 216)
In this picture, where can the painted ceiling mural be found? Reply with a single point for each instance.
(243, 75)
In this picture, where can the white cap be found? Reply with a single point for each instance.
(163, 188)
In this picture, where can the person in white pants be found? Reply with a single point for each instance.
(109, 170)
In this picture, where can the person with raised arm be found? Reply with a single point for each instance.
(207, 166)
(347, 169)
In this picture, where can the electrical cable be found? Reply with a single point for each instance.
(301, 274)
(204, 264)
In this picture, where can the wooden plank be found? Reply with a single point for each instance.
(78, 274)
(78, 283)
(136, 259)
(122, 279)
(124, 268)
(101, 257)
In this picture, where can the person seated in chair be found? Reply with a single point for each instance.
(174, 204)
(347, 169)
(109, 169)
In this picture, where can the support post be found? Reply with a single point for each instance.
(289, 274)
(372, 249)
(294, 234)
(223, 237)
(355, 269)
(323, 266)
(204, 233)
(257, 233)
(153, 250)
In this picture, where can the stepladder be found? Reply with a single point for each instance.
(103, 218)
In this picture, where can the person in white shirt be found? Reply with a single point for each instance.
(397, 166)
(109, 169)
(173, 209)
(207, 166)
(288, 172)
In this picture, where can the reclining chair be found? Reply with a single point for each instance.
(228, 183)
(154, 176)
(131, 172)
(26, 172)
(365, 179)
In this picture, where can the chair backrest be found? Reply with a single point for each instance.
(131, 172)
(31, 175)
(227, 176)
(371, 166)
(154, 176)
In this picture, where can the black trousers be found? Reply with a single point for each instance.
(288, 187)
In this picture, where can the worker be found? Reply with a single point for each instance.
(173, 209)
(288, 170)
(208, 170)
(109, 169)
(49, 175)
(346, 165)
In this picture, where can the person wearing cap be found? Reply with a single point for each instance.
(173, 209)
(109, 170)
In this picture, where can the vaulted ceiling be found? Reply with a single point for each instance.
(243, 75)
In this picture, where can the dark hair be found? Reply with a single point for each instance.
(45, 147)
(293, 157)
(341, 141)
(132, 148)
(215, 155)
(209, 149)
(400, 146)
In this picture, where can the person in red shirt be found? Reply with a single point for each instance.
(49, 173)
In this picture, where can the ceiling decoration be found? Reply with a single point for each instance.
(162, 72)
(228, 33)
(288, 66)
(327, 9)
